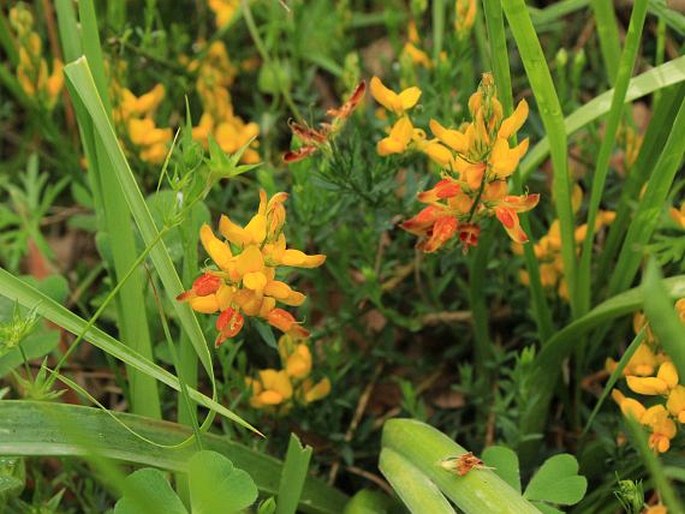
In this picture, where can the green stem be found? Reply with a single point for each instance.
(627, 62)
(552, 117)
(607, 31)
(261, 48)
(498, 46)
(438, 14)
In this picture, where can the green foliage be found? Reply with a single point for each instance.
(454, 340)
(215, 487)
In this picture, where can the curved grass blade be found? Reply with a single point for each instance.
(662, 318)
(17, 290)
(478, 491)
(415, 489)
(655, 79)
(548, 362)
(87, 100)
(650, 207)
(615, 375)
(34, 429)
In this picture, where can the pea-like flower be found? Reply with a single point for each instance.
(244, 283)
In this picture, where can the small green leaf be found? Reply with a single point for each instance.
(217, 487)
(294, 474)
(274, 77)
(557, 481)
(505, 463)
(268, 506)
(147, 490)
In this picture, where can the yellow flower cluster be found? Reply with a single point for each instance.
(223, 10)
(215, 75)
(548, 249)
(136, 117)
(650, 372)
(476, 161)
(245, 279)
(279, 390)
(32, 69)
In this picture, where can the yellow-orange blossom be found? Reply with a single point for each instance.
(245, 282)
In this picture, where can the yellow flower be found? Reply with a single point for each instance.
(665, 380)
(313, 392)
(678, 215)
(272, 388)
(296, 357)
(32, 69)
(224, 10)
(662, 426)
(676, 403)
(643, 363)
(399, 138)
(245, 282)
(628, 406)
(397, 103)
(417, 56)
(465, 16)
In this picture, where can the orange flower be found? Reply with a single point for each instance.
(476, 161)
(245, 283)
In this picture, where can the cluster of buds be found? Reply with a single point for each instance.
(313, 139)
(136, 117)
(32, 69)
(278, 390)
(651, 373)
(244, 283)
(465, 17)
(475, 160)
(215, 75)
(548, 249)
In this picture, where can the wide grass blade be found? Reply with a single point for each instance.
(35, 429)
(625, 69)
(415, 489)
(478, 491)
(17, 290)
(88, 103)
(114, 219)
(494, 19)
(552, 116)
(655, 79)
